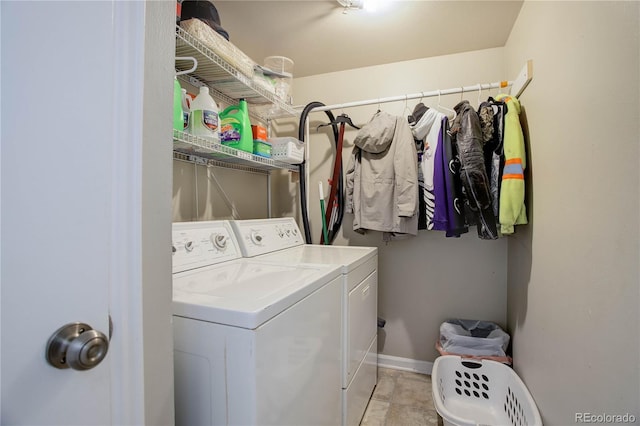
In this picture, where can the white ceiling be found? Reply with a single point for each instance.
(320, 38)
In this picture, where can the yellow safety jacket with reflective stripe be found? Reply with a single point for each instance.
(512, 209)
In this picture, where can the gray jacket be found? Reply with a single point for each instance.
(382, 177)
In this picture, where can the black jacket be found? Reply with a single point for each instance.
(467, 137)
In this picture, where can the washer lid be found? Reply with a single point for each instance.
(348, 257)
(245, 293)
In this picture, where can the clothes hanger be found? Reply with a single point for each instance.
(479, 93)
(421, 97)
(417, 106)
(406, 106)
(445, 108)
(342, 118)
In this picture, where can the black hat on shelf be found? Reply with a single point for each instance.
(206, 12)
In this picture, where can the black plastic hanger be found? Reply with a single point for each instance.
(342, 118)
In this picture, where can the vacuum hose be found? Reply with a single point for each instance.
(303, 184)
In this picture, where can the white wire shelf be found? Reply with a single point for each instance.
(217, 73)
(255, 111)
(225, 156)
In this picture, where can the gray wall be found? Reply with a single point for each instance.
(573, 272)
(210, 192)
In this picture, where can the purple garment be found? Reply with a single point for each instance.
(455, 213)
(440, 216)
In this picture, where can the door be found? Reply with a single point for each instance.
(72, 246)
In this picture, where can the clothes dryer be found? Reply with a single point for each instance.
(359, 269)
(255, 343)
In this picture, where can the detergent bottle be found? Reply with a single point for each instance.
(203, 119)
(178, 114)
(235, 127)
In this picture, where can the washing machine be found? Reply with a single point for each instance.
(255, 343)
(359, 270)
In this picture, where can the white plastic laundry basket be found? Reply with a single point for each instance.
(471, 392)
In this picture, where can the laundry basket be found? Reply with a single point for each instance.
(470, 392)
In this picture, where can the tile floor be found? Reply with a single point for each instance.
(401, 398)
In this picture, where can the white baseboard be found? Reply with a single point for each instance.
(406, 364)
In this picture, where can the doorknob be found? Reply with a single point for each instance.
(78, 346)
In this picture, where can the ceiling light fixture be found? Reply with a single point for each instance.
(351, 4)
(367, 5)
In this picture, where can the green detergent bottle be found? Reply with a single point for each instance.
(235, 127)
(178, 114)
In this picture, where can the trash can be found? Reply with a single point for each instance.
(474, 339)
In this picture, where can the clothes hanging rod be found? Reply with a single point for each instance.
(419, 95)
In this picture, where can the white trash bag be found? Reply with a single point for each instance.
(471, 337)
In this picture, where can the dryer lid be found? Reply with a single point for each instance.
(348, 257)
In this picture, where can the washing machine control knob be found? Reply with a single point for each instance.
(256, 238)
(219, 241)
(189, 246)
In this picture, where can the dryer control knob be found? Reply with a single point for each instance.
(219, 241)
(256, 238)
(188, 246)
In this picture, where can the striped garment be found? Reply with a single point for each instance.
(512, 207)
(513, 169)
